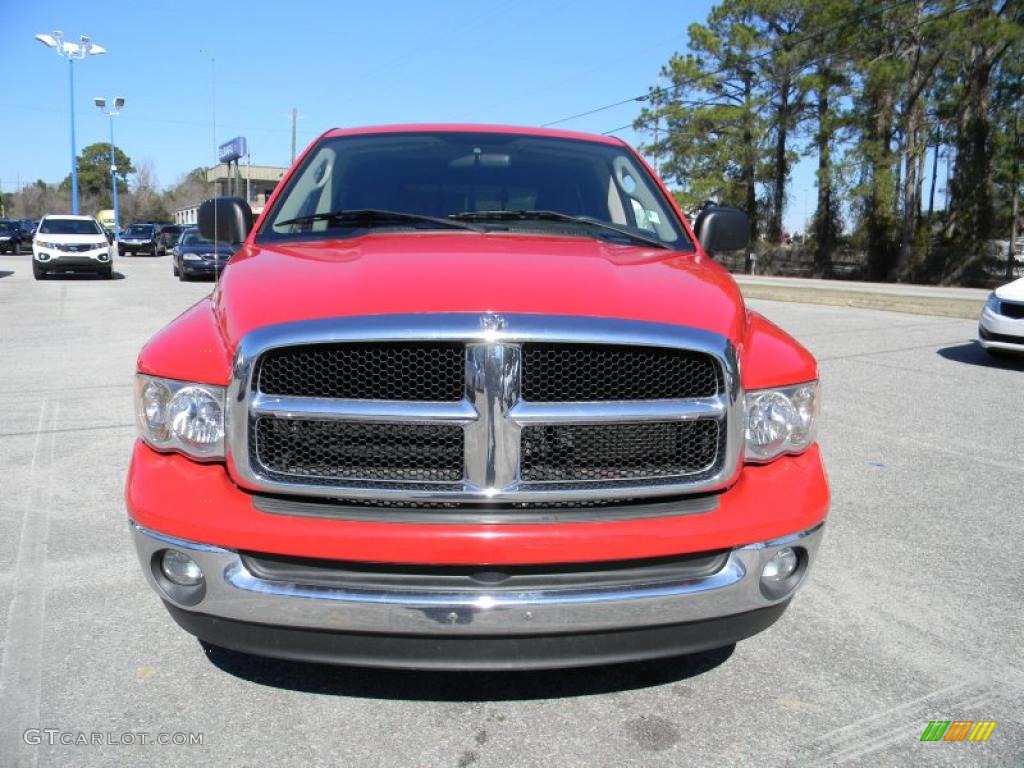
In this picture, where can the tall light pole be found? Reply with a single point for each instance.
(112, 112)
(72, 51)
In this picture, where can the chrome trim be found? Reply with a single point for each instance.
(486, 514)
(232, 592)
(397, 412)
(171, 541)
(491, 412)
(617, 411)
(493, 377)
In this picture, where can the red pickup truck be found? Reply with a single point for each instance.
(474, 397)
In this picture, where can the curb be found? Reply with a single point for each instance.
(968, 309)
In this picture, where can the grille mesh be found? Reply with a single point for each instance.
(348, 451)
(582, 372)
(499, 507)
(364, 371)
(1009, 309)
(584, 453)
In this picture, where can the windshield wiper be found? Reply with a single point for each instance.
(368, 217)
(588, 221)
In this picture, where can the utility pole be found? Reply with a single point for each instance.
(655, 104)
(72, 51)
(1015, 197)
(117, 103)
(295, 117)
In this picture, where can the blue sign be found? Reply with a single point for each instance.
(232, 150)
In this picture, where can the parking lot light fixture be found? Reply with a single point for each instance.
(118, 103)
(72, 51)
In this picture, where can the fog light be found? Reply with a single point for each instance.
(782, 565)
(181, 569)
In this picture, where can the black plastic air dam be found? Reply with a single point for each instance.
(476, 652)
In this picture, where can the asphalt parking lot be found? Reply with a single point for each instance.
(913, 612)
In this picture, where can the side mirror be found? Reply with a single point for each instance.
(225, 219)
(722, 229)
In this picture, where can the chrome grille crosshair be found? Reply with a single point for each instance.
(493, 444)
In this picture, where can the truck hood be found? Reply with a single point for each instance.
(470, 272)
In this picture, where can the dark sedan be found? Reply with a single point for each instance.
(169, 236)
(195, 256)
(12, 237)
(140, 238)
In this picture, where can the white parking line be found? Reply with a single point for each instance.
(21, 672)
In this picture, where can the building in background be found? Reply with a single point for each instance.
(256, 183)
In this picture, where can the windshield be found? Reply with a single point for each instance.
(140, 229)
(446, 174)
(6, 226)
(69, 227)
(192, 237)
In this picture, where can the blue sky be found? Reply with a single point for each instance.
(522, 62)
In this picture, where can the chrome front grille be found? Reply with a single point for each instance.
(477, 408)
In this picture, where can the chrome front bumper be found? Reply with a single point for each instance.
(233, 593)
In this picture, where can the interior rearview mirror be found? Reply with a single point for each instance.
(225, 219)
(482, 160)
(722, 229)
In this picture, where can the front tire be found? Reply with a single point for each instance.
(38, 272)
(174, 269)
(108, 273)
(17, 249)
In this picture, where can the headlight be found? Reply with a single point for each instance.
(992, 303)
(191, 257)
(780, 421)
(180, 416)
(46, 244)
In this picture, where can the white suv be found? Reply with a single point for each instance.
(71, 244)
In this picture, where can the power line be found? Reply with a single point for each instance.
(754, 57)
